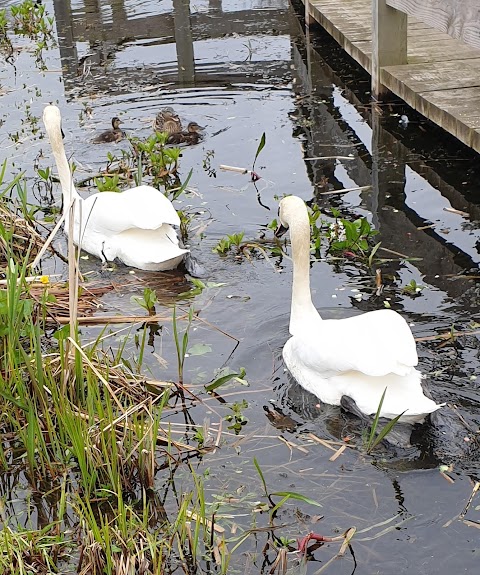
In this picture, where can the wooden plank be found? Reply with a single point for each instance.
(457, 111)
(458, 18)
(432, 76)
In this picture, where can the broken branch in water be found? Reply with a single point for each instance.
(345, 190)
(253, 174)
(330, 158)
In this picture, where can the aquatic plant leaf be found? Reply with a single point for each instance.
(260, 472)
(298, 496)
(224, 378)
(183, 187)
(200, 349)
(261, 145)
(373, 439)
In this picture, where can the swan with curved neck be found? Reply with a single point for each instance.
(134, 226)
(356, 357)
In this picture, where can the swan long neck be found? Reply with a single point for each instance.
(66, 181)
(302, 309)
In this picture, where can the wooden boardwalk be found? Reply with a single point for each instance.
(441, 79)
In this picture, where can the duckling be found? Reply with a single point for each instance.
(115, 134)
(191, 137)
(167, 120)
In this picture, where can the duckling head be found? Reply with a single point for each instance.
(116, 123)
(194, 128)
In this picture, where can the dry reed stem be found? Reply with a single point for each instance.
(326, 443)
(339, 452)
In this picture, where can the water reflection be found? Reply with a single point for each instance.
(89, 39)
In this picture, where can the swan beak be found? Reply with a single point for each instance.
(281, 229)
(63, 135)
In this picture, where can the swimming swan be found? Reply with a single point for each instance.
(134, 226)
(357, 357)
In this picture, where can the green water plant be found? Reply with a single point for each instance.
(181, 343)
(412, 288)
(226, 244)
(375, 435)
(236, 419)
(285, 495)
(108, 183)
(351, 236)
(147, 301)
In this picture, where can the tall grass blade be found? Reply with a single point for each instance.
(260, 473)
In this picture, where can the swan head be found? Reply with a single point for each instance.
(52, 120)
(290, 209)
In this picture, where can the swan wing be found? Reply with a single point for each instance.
(146, 249)
(375, 343)
(142, 207)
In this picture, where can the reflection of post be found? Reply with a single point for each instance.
(93, 15)
(388, 170)
(66, 41)
(184, 42)
(119, 14)
(214, 6)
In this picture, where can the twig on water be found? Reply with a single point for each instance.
(345, 190)
(458, 212)
(252, 174)
(330, 158)
(462, 514)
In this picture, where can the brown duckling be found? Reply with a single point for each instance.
(167, 120)
(191, 137)
(115, 134)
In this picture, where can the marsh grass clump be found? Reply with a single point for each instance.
(156, 160)
(27, 19)
(19, 237)
(79, 424)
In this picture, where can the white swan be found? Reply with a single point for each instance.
(134, 226)
(356, 357)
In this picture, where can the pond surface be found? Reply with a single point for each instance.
(243, 68)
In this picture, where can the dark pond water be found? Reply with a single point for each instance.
(242, 68)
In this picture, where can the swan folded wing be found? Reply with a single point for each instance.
(376, 344)
(149, 246)
(143, 208)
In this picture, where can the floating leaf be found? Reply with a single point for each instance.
(200, 349)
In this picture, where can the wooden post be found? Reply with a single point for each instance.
(389, 42)
(309, 19)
